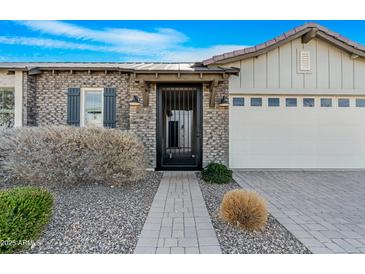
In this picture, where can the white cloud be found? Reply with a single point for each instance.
(49, 43)
(163, 44)
(162, 38)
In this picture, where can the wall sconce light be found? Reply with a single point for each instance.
(135, 101)
(224, 102)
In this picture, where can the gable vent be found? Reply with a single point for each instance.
(305, 62)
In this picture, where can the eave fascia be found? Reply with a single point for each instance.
(306, 34)
(233, 71)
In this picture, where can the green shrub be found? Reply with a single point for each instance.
(65, 154)
(24, 211)
(217, 173)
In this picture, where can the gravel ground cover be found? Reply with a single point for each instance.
(274, 239)
(97, 218)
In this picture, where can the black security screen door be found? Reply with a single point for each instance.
(179, 127)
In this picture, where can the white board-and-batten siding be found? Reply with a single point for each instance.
(298, 136)
(333, 71)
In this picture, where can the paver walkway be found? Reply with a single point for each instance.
(178, 221)
(325, 210)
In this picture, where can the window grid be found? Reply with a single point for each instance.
(7, 105)
(6, 100)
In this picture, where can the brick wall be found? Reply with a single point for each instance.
(143, 122)
(47, 102)
(29, 99)
(51, 94)
(46, 97)
(215, 127)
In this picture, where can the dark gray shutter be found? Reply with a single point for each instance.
(110, 104)
(73, 106)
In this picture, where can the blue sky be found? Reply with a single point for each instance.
(130, 41)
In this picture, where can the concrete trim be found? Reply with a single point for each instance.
(298, 169)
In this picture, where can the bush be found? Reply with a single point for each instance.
(24, 212)
(72, 155)
(217, 173)
(245, 209)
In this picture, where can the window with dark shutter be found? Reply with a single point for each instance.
(73, 106)
(110, 107)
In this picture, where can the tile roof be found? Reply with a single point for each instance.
(322, 32)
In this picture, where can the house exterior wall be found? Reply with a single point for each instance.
(51, 94)
(215, 127)
(143, 122)
(300, 136)
(7, 80)
(333, 71)
(18, 99)
(29, 99)
(15, 81)
(45, 104)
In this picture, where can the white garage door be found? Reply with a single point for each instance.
(297, 132)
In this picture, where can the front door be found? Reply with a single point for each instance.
(179, 127)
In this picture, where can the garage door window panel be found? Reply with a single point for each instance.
(291, 102)
(343, 103)
(360, 103)
(238, 101)
(308, 102)
(326, 102)
(273, 102)
(256, 102)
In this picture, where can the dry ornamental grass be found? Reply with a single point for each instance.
(72, 155)
(245, 209)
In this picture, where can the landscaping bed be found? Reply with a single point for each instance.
(97, 218)
(274, 239)
(24, 211)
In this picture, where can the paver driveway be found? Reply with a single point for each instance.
(323, 209)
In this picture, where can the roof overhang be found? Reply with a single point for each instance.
(12, 69)
(307, 32)
(196, 70)
(185, 77)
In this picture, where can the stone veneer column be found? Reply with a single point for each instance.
(215, 127)
(143, 122)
